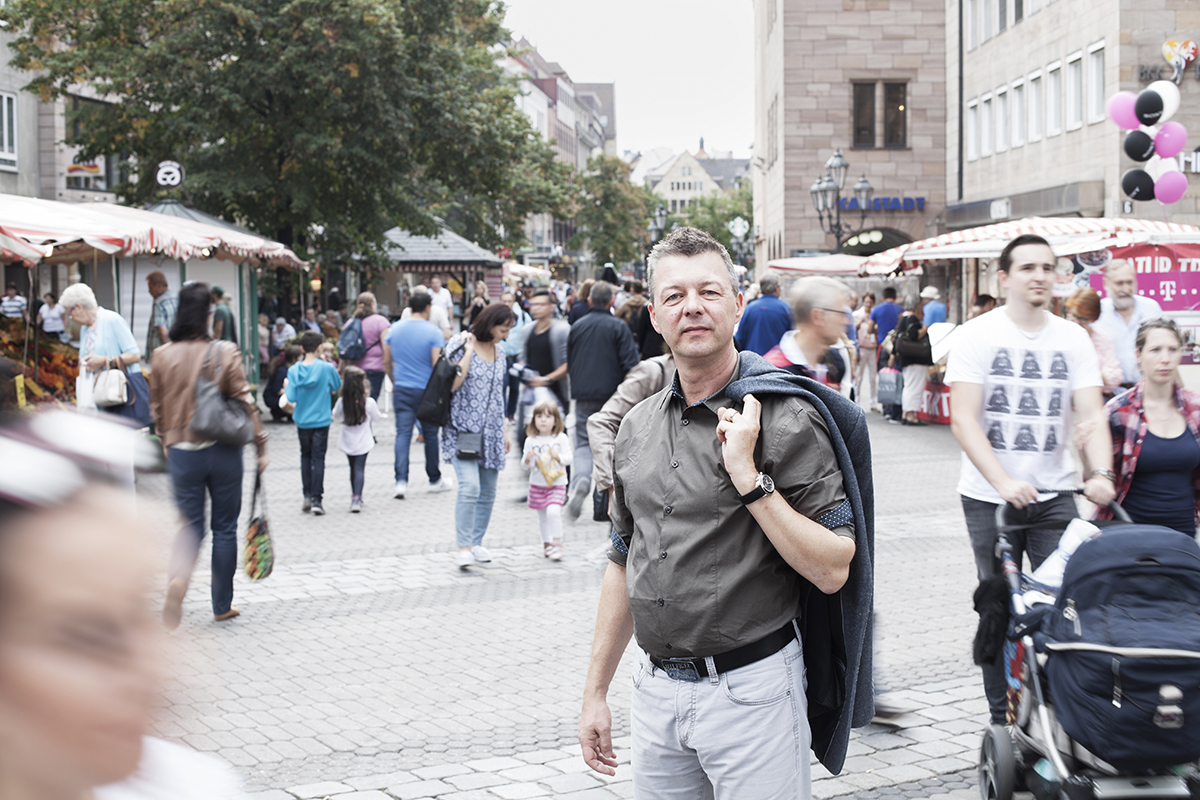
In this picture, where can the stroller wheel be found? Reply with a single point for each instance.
(997, 766)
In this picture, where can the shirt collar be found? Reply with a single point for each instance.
(713, 401)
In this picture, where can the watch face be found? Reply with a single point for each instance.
(767, 484)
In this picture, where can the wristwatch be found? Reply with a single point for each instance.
(763, 486)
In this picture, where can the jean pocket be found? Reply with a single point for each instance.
(765, 682)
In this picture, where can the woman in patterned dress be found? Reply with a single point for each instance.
(477, 405)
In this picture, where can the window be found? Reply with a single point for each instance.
(971, 130)
(1075, 91)
(1002, 15)
(8, 132)
(864, 115)
(1034, 107)
(1054, 99)
(1001, 120)
(1018, 10)
(895, 129)
(674, 206)
(1095, 81)
(989, 18)
(971, 23)
(1016, 105)
(985, 125)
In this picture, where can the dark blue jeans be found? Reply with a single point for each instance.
(313, 443)
(358, 469)
(405, 402)
(217, 471)
(375, 378)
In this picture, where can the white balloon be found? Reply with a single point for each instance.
(1157, 166)
(1169, 93)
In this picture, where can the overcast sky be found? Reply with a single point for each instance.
(682, 68)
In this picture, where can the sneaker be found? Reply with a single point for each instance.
(556, 550)
(481, 554)
(546, 548)
(317, 510)
(307, 504)
(400, 490)
(464, 559)
(355, 506)
(442, 485)
(575, 502)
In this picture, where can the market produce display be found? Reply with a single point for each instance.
(57, 366)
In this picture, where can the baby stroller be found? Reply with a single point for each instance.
(1104, 698)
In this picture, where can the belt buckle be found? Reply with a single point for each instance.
(681, 669)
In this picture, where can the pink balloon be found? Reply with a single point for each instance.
(1170, 187)
(1171, 140)
(1121, 110)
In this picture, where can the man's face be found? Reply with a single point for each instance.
(829, 323)
(694, 306)
(11, 291)
(1120, 282)
(507, 298)
(436, 284)
(540, 307)
(310, 314)
(1031, 276)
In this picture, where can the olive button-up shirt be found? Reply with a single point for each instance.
(702, 576)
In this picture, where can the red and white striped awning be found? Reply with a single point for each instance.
(1066, 235)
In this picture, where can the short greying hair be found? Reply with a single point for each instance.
(815, 292)
(688, 242)
(601, 294)
(78, 294)
(911, 301)
(768, 284)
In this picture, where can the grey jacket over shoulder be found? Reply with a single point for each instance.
(560, 331)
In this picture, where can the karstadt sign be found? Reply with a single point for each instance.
(886, 204)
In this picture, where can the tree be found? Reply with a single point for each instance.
(350, 116)
(612, 213)
(713, 213)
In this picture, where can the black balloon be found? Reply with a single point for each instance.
(1138, 184)
(1149, 107)
(1139, 146)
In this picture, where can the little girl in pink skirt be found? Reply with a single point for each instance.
(548, 450)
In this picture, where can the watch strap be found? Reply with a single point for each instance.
(757, 493)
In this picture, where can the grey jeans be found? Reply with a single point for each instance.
(581, 471)
(743, 735)
(1037, 543)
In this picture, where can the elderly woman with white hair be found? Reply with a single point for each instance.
(106, 343)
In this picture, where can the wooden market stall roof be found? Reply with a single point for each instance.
(447, 250)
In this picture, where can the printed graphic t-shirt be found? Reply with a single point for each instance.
(1027, 382)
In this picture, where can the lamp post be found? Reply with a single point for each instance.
(826, 195)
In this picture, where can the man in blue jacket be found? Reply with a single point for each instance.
(600, 350)
(311, 385)
(765, 320)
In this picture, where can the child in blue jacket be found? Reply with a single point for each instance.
(311, 383)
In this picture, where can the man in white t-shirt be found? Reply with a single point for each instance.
(1016, 375)
(441, 297)
(1122, 312)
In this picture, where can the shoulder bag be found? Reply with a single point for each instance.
(434, 408)
(914, 351)
(218, 418)
(111, 387)
(260, 550)
(470, 444)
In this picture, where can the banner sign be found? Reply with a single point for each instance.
(1168, 273)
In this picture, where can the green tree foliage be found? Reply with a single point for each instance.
(350, 115)
(612, 213)
(713, 212)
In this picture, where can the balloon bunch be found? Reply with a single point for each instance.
(1156, 147)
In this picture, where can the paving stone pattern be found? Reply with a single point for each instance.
(367, 667)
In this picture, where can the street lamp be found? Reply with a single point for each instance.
(827, 198)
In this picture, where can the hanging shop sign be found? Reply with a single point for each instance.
(886, 204)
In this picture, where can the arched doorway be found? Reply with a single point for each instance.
(875, 240)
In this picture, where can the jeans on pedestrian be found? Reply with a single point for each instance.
(583, 452)
(1037, 543)
(405, 402)
(743, 735)
(476, 496)
(358, 469)
(512, 388)
(375, 378)
(217, 472)
(313, 443)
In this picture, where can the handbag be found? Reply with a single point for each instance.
(891, 387)
(914, 351)
(434, 408)
(111, 388)
(260, 550)
(215, 417)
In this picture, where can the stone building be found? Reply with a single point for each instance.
(865, 76)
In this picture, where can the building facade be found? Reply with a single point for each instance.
(865, 76)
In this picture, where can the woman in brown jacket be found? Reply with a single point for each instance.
(197, 466)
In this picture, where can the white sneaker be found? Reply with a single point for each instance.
(400, 490)
(464, 559)
(442, 485)
(480, 553)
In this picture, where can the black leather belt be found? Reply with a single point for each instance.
(694, 668)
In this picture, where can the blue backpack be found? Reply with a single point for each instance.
(351, 344)
(1124, 647)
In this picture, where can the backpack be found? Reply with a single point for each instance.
(351, 344)
(1124, 647)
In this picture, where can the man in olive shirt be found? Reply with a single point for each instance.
(714, 527)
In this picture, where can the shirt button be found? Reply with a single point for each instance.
(675, 465)
(686, 421)
(663, 554)
(667, 511)
(668, 645)
(660, 601)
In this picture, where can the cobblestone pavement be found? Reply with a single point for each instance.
(368, 667)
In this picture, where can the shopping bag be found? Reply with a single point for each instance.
(891, 386)
(260, 550)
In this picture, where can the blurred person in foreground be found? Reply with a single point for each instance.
(1122, 312)
(1155, 430)
(201, 469)
(79, 667)
(1083, 308)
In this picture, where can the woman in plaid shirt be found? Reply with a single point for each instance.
(1156, 436)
